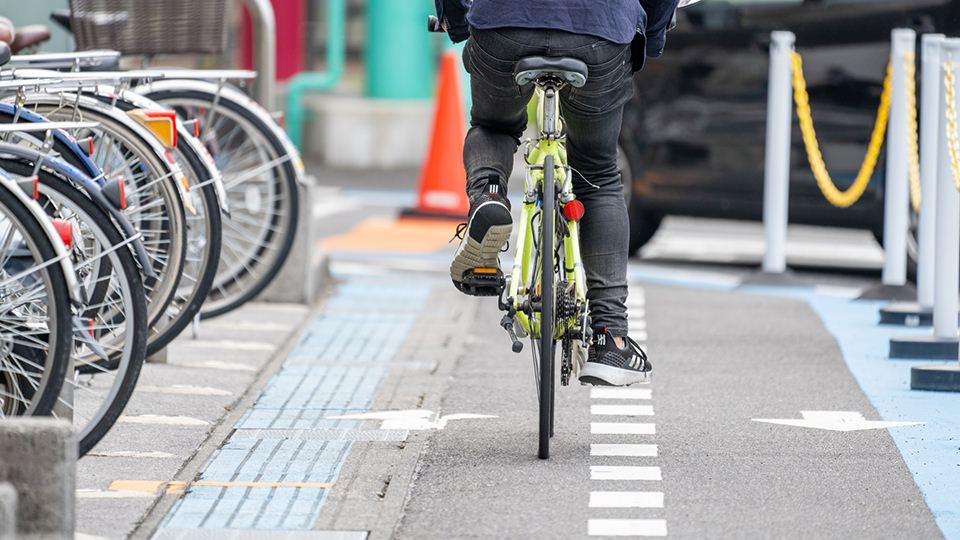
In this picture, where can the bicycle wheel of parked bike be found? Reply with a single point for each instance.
(260, 170)
(125, 151)
(110, 329)
(204, 225)
(35, 313)
(545, 344)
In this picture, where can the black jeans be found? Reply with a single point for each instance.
(592, 115)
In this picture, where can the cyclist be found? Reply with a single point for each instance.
(612, 37)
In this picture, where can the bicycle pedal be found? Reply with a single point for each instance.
(482, 282)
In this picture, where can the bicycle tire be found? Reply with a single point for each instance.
(44, 391)
(547, 307)
(120, 146)
(203, 229)
(245, 270)
(101, 389)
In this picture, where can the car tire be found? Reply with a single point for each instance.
(643, 224)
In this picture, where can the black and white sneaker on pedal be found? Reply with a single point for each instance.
(609, 365)
(475, 268)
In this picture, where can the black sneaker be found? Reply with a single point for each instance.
(609, 365)
(475, 268)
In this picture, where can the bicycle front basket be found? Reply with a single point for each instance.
(149, 26)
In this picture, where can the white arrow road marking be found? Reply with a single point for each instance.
(834, 421)
(413, 419)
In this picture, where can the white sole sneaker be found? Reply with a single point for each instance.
(485, 252)
(599, 374)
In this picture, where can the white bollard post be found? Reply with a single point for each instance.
(945, 377)
(776, 173)
(931, 86)
(947, 243)
(896, 213)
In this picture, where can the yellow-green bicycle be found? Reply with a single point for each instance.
(545, 295)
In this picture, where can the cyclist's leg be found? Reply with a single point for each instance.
(499, 112)
(593, 115)
(497, 120)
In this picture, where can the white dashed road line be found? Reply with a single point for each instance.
(623, 451)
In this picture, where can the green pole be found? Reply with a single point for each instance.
(401, 63)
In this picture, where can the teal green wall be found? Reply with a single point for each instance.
(24, 12)
(401, 60)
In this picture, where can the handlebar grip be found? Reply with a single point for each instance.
(434, 24)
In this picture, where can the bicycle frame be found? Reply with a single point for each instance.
(525, 277)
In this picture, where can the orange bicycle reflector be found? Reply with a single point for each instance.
(163, 124)
(485, 270)
(573, 210)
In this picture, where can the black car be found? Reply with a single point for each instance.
(693, 136)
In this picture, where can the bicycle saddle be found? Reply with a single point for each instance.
(568, 70)
(30, 35)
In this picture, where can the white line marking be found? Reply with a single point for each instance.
(621, 393)
(185, 389)
(161, 420)
(128, 453)
(622, 410)
(214, 364)
(640, 336)
(622, 428)
(112, 494)
(607, 472)
(626, 499)
(627, 527)
(636, 312)
(249, 325)
(230, 344)
(625, 450)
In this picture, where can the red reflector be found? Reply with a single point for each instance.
(573, 210)
(65, 230)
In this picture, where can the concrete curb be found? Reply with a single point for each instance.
(38, 457)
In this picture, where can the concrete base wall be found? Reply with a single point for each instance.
(306, 268)
(38, 456)
(350, 132)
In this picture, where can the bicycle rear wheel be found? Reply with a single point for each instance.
(35, 314)
(260, 171)
(547, 308)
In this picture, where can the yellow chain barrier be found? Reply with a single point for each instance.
(951, 125)
(843, 199)
(913, 146)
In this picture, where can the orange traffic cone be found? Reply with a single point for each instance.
(442, 178)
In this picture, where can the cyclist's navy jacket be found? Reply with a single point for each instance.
(618, 21)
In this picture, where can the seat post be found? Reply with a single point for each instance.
(549, 127)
